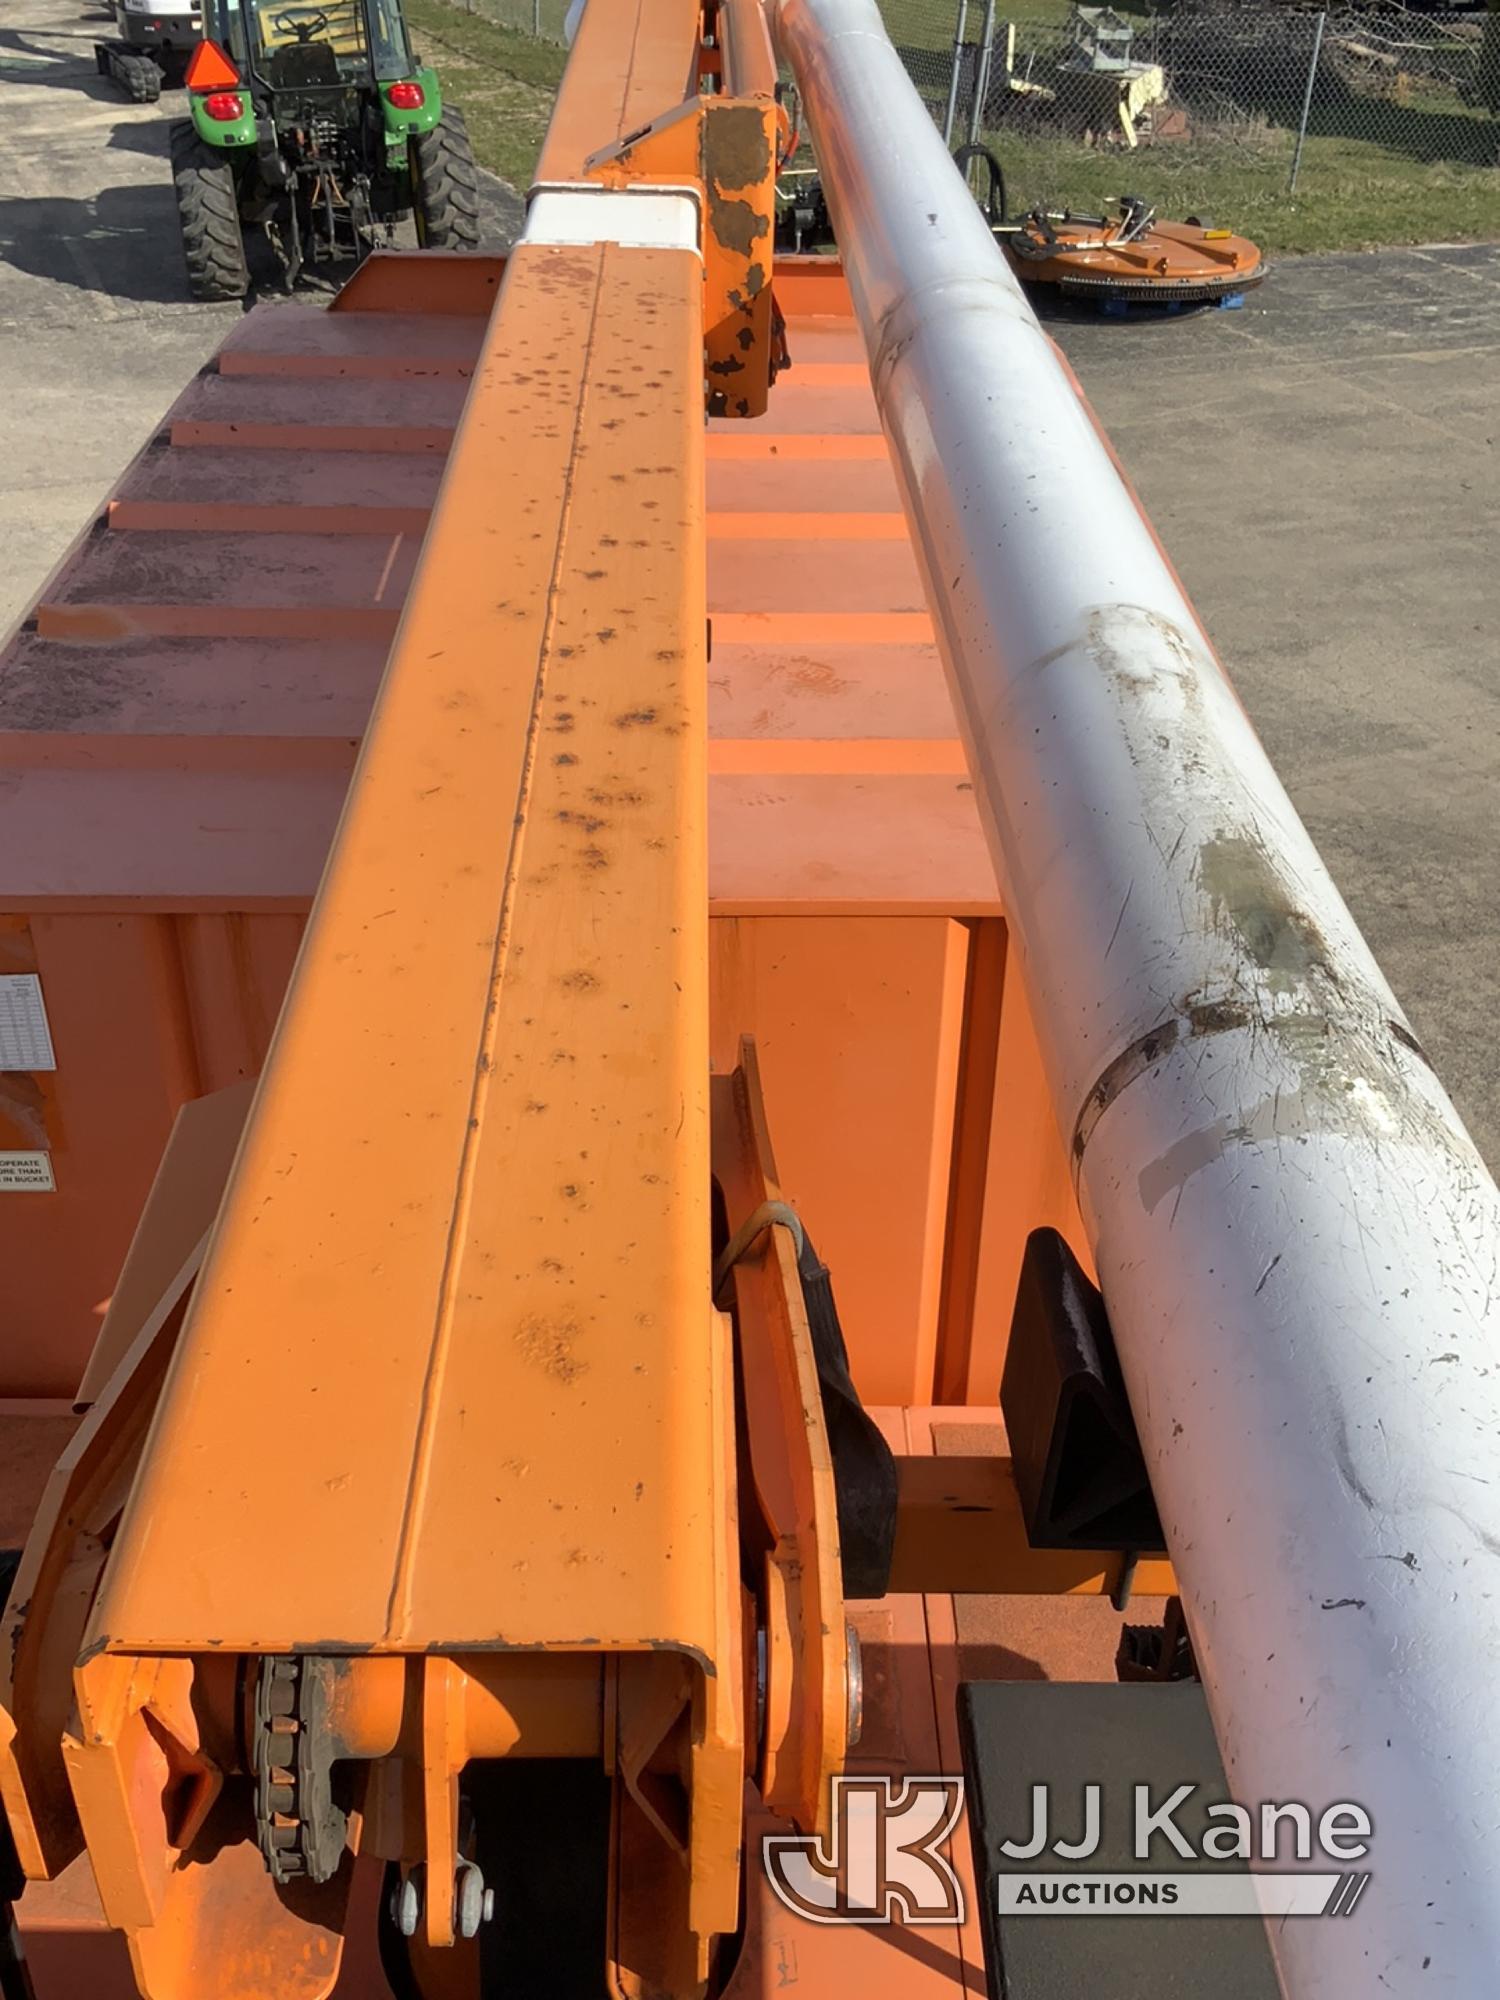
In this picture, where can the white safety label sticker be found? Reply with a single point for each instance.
(26, 1173)
(25, 1038)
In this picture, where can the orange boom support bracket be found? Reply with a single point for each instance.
(720, 140)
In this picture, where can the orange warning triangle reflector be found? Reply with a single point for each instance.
(210, 69)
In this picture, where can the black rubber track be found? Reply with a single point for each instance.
(141, 78)
(445, 185)
(208, 211)
(137, 75)
(145, 81)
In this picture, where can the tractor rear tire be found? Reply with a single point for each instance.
(445, 186)
(208, 210)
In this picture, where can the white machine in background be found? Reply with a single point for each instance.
(152, 43)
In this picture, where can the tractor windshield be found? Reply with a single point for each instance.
(300, 44)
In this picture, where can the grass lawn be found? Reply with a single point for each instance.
(1350, 195)
(929, 24)
(1353, 193)
(502, 81)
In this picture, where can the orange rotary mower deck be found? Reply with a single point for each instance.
(1132, 258)
(598, 771)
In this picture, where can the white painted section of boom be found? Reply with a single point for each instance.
(1296, 1238)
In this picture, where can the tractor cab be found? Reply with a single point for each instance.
(314, 121)
(344, 44)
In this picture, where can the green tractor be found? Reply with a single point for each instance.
(317, 125)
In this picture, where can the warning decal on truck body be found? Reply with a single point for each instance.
(25, 1037)
(26, 1173)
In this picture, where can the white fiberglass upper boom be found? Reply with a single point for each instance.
(1298, 1243)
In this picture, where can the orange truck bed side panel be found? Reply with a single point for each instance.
(862, 1133)
(203, 777)
(146, 1013)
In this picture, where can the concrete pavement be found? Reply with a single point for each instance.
(1324, 469)
(97, 332)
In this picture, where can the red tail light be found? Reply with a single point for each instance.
(224, 106)
(407, 96)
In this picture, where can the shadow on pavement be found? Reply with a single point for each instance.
(147, 136)
(123, 242)
(1056, 308)
(33, 63)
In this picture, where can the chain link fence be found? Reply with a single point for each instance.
(543, 18)
(1229, 105)
(1259, 78)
